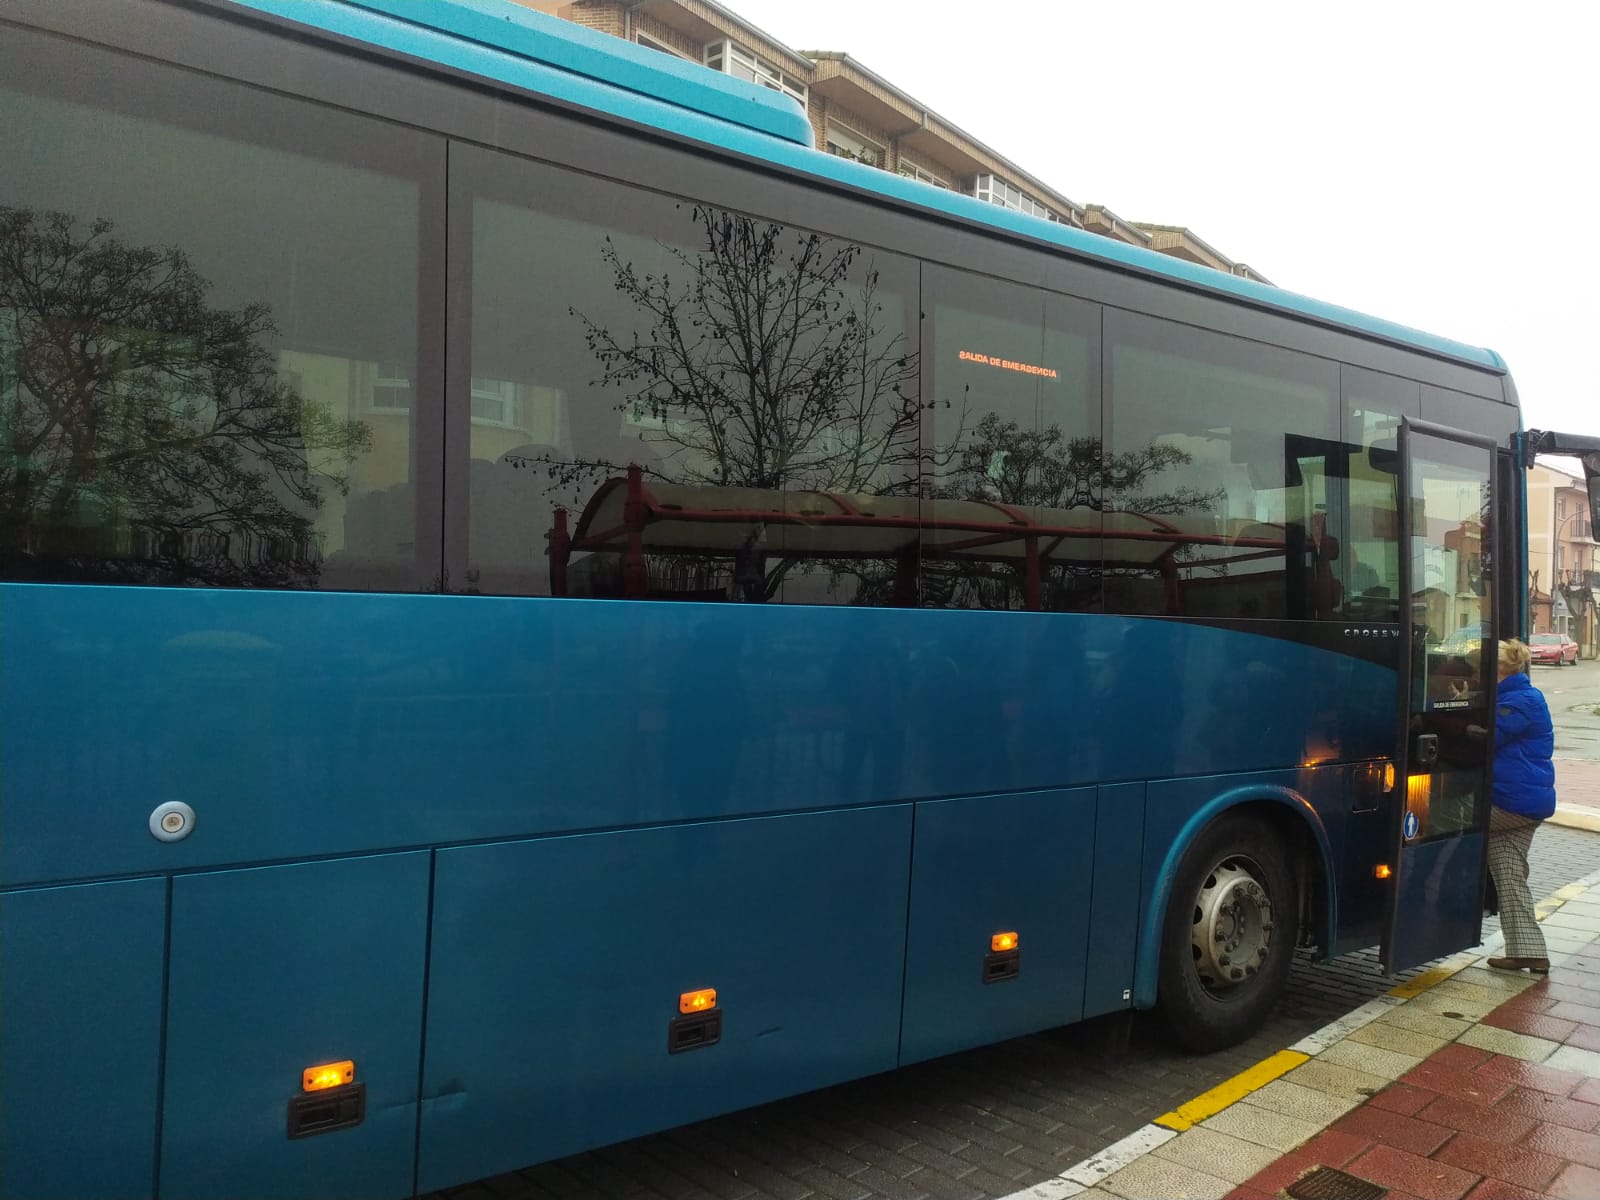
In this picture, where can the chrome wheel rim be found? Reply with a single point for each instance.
(1231, 930)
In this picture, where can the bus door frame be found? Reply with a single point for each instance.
(1435, 904)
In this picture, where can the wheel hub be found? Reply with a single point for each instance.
(1231, 936)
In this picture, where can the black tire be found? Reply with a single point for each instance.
(1235, 884)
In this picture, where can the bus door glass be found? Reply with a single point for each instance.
(1448, 678)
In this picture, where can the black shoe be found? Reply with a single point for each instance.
(1539, 966)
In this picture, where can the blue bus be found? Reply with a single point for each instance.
(537, 607)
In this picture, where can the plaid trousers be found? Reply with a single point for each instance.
(1509, 839)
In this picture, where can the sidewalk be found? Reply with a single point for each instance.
(1578, 794)
(1507, 1109)
(1465, 1083)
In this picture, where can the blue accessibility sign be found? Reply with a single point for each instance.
(1410, 826)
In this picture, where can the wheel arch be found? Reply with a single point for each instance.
(1284, 809)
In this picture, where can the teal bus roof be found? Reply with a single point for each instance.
(503, 41)
(507, 43)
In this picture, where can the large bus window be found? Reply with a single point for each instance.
(1218, 475)
(1012, 513)
(1451, 611)
(208, 336)
(1374, 406)
(671, 400)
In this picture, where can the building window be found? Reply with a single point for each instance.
(847, 143)
(494, 402)
(391, 388)
(733, 59)
(650, 43)
(997, 191)
(914, 170)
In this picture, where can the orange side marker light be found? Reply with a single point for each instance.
(701, 1000)
(328, 1075)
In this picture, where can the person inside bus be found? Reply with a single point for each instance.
(1524, 795)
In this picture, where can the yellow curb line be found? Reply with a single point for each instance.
(1415, 987)
(1209, 1104)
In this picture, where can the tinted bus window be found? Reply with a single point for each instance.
(671, 400)
(1374, 405)
(208, 325)
(1011, 518)
(1218, 474)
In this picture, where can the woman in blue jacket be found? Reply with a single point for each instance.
(1524, 795)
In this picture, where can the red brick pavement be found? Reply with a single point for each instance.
(1578, 784)
(1468, 1124)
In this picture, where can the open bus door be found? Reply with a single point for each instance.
(1447, 679)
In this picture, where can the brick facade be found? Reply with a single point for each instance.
(644, 23)
(605, 17)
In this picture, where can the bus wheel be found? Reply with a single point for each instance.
(1231, 927)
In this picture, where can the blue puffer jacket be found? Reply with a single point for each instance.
(1524, 776)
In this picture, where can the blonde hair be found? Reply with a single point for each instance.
(1513, 657)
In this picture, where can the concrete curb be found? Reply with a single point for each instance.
(1575, 817)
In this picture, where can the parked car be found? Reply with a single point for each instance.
(1460, 643)
(1554, 649)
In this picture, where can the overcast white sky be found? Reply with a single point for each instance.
(1435, 164)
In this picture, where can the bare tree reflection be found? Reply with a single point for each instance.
(1060, 485)
(765, 364)
(765, 358)
(1048, 469)
(774, 394)
(145, 435)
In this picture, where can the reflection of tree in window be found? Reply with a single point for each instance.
(765, 362)
(1052, 473)
(1259, 534)
(146, 436)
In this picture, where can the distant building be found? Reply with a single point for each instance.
(860, 115)
(1563, 567)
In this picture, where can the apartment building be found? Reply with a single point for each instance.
(858, 114)
(1563, 557)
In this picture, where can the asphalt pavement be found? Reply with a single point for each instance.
(1573, 694)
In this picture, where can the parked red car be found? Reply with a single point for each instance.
(1555, 649)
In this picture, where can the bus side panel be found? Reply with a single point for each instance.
(985, 865)
(274, 970)
(80, 1039)
(301, 725)
(1114, 909)
(1366, 842)
(557, 966)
